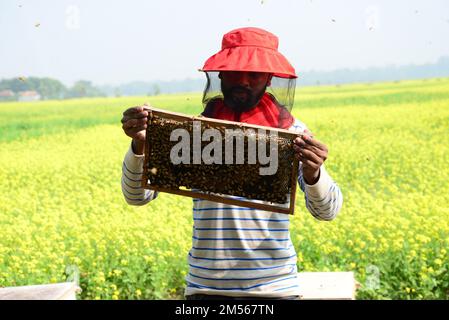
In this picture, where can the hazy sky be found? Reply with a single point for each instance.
(112, 42)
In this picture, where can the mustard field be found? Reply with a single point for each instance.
(63, 216)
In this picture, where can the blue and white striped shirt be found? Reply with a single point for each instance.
(239, 251)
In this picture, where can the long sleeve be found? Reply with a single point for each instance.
(323, 199)
(132, 170)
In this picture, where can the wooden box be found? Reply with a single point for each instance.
(202, 158)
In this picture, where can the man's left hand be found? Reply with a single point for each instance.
(312, 153)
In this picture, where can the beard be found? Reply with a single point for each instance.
(240, 98)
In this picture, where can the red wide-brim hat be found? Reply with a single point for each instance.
(250, 49)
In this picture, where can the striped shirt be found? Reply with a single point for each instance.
(239, 251)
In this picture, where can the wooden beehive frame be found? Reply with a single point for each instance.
(214, 197)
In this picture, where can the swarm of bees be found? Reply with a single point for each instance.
(242, 180)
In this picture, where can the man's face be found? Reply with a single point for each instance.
(243, 90)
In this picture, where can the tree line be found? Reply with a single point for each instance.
(49, 88)
(53, 89)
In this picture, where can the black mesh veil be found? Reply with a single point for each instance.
(282, 89)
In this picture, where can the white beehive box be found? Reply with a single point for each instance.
(57, 291)
(327, 285)
(313, 286)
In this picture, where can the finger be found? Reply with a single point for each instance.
(136, 130)
(306, 163)
(140, 121)
(134, 123)
(132, 110)
(299, 145)
(319, 152)
(136, 133)
(314, 142)
(136, 109)
(306, 134)
(140, 115)
(309, 155)
(299, 141)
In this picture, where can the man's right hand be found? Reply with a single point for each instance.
(134, 123)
